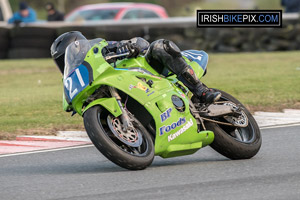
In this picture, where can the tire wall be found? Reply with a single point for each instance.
(30, 42)
(35, 42)
(4, 42)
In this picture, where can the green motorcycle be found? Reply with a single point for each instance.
(131, 113)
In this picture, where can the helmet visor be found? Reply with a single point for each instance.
(60, 63)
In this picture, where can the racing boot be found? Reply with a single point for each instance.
(204, 94)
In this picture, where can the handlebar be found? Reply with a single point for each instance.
(116, 56)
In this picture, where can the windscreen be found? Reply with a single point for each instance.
(75, 55)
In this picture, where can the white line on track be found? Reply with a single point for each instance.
(47, 150)
(280, 126)
(91, 145)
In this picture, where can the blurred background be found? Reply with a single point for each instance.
(151, 19)
(174, 8)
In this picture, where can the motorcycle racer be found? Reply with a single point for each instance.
(163, 55)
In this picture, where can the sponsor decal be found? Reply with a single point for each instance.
(139, 86)
(168, 128)
(181, 94)
(182, 130)
(166, 115)
(150, 93)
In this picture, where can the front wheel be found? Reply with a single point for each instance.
(236, 142)
(132, 149)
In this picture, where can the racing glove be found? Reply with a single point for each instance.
(129, 47)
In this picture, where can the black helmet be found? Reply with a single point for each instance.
(60, 45)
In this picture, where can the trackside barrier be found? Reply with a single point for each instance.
(34, 40)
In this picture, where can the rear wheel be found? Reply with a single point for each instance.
(132, 149)
(236, 142)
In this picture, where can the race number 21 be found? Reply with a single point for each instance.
(74, 84)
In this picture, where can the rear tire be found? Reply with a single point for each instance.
(226, 143)
(96, 125)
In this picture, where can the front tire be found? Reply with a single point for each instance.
(236, 143)
(96, 122)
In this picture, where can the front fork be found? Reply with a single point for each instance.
(124, 117)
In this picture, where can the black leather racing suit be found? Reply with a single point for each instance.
(164, 56)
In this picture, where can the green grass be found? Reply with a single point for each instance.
(31, 90)
(31, 98)
(267, 81)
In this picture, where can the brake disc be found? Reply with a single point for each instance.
(241, 120)
(132, 137)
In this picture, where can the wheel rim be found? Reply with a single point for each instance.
(242, 134)
(245, 135)
(139, 150)
(132, 137)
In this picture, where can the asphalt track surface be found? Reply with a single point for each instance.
(83, 173)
